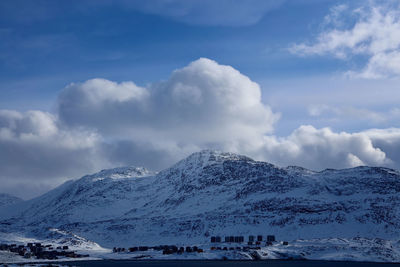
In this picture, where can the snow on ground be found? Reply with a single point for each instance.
(74, 242)
(336, 249)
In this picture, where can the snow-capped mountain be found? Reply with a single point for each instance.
(6, 199)
(215, 193)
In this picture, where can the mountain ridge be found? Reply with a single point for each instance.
(7, 199)
(215, 193)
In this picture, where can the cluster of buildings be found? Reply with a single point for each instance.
(174, 249)
(251, 241)
(166, 249)
(41, 251)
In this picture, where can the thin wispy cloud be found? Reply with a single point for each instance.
(207, 12)
(344, 112)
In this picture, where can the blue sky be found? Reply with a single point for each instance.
(47, 45)
(86, 85)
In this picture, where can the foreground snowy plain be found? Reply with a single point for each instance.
(357, 249)
(351, 214)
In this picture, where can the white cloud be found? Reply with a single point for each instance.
(374, 33)
(203, 103)
(387, 140)
(322, 148)
(348, 112)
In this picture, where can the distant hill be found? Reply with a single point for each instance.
(6, 199)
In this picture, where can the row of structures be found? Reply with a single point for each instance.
(166, 249)
(40, 251)
(240, 239)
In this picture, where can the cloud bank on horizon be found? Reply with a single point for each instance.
(101, 123)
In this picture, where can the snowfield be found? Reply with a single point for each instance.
(350, 214)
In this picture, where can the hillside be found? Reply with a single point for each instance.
(214, 193)
(6, 199)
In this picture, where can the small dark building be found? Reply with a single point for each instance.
(226, 239)
(36, 250)
(167, 251)
(65, 247)
(259, 238)
(218, 239)
(237, 239)
(251, 238)
(271, 238)
(213, 239)
(195, 249)
(231, 239)
(285, 243)
(189, 249)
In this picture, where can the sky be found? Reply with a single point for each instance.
(88, 85)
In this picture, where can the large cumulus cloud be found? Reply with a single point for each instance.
(201, 104)
(101, 123)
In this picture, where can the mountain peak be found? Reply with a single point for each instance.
(208, 156)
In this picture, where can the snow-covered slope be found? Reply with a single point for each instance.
(6, 199)
(214, 193)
